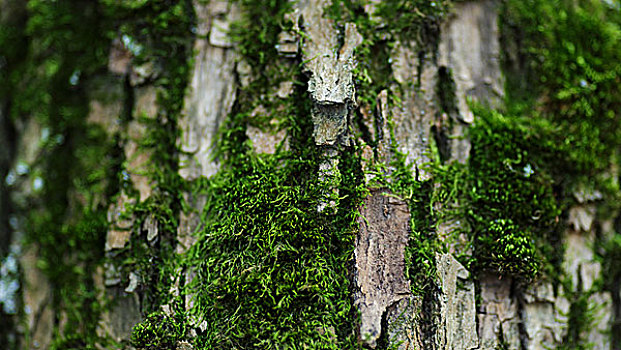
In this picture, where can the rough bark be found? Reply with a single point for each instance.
(380, 260)
(461, 310)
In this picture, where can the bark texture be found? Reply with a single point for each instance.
(380, 259)
(459, 309)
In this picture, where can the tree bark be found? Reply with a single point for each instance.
(374, 130)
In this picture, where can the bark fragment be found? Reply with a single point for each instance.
(469, 51)
(498, 315)
(457, 328)
(415, 115)
(212, 92)
(380, 261)
(329, 67)
(330, 177)
(544, 317)
(584, 270)
(119, 58)
(266, 138)
(379, 132)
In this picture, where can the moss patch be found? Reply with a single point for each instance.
(272, 272)
(159, 331)
(513, 209)
(571, 53)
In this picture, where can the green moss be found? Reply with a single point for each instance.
(585, 312)
(159, 332)
(423, 245)
(271, 271)
(580, 319)
(571, 56)
(513, 209)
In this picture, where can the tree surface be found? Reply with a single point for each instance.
(311, 174)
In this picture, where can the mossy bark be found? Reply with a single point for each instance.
(309, 174)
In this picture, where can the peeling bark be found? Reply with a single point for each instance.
(329, 66)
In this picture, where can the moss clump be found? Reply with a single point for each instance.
(505, 201)
(420, 254)
(159, 332)
(513, 209)
(271, 271)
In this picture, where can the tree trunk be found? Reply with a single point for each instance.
(310, 174)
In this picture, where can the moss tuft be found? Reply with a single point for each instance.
(513, 208)
(159, 332)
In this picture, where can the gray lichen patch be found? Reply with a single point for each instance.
(380, 261)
